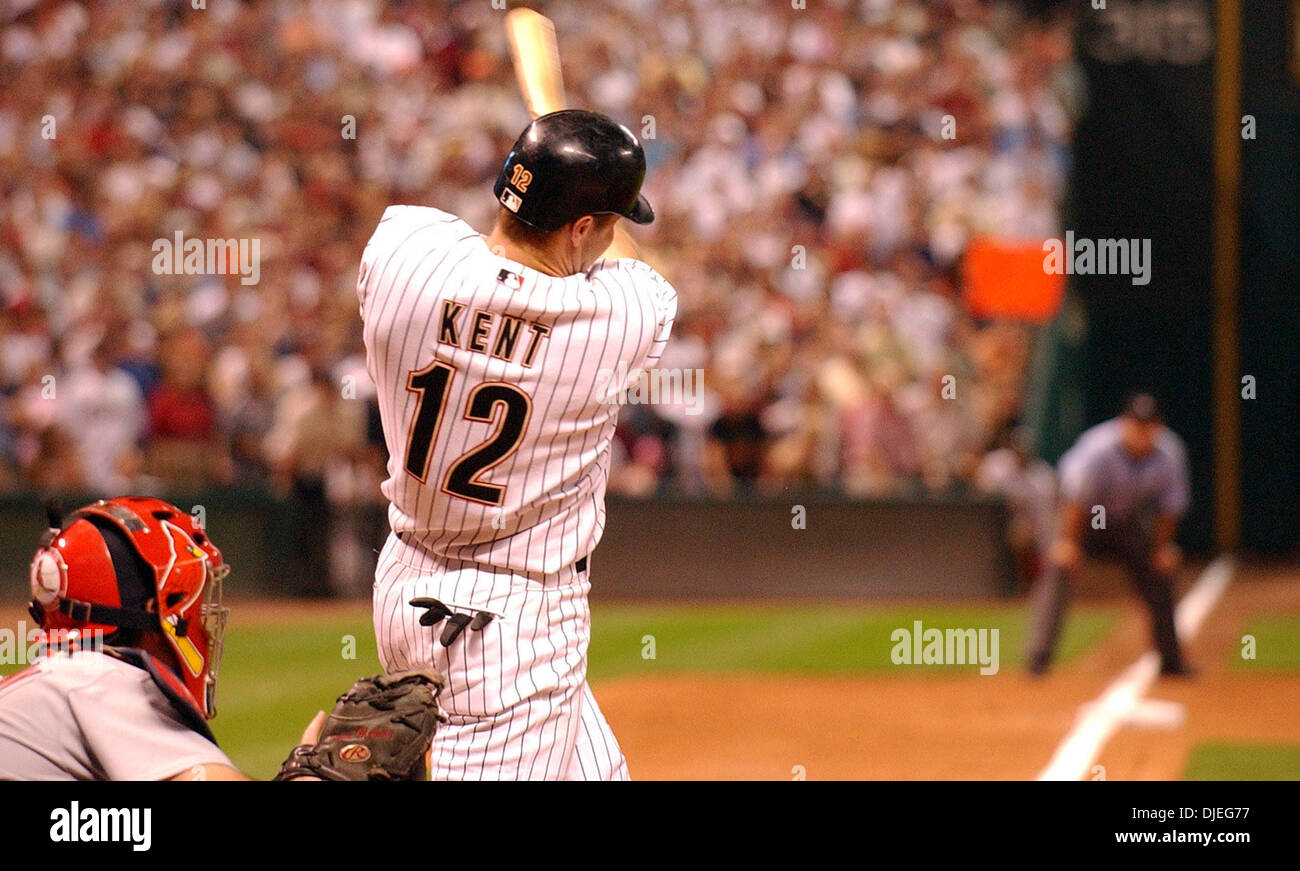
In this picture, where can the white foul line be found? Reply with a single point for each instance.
(1101, 718)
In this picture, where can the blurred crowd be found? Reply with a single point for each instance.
(817, 174)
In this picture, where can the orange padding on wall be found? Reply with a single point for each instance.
(1009, 281)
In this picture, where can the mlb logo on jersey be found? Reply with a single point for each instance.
(513, 280)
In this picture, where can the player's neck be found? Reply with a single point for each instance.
(543, 261)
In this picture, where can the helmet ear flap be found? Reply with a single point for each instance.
(47, 568)
(48, 580)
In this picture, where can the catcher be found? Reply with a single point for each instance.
(127, 594)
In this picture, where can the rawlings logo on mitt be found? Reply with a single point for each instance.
(380, 729)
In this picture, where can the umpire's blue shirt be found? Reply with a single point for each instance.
(1098, 471)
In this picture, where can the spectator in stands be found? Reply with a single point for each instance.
(881, 449)
(736, 443)
(101, 407)
(56, 467)
(641, 441)
(30, 410)
(316, 431)
(183, 448)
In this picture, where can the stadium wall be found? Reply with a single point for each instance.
(660, 549)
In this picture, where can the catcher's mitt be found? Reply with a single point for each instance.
(380, 729)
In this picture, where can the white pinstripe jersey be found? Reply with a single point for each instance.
(494, 388)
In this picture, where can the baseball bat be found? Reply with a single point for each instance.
(536, 58)
(535, 54)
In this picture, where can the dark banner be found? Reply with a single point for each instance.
(1270, 275)
(1145, 154)
(1143, 171)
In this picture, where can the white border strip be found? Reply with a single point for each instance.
(1101, 718)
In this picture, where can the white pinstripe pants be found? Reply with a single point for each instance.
(517, 694)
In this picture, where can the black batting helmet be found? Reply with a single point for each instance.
(573, 163)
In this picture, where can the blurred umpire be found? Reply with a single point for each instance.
(1123, 489)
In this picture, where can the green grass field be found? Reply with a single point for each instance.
(807, 639)
(274, 678)
(1243, 762)
(1277, 644)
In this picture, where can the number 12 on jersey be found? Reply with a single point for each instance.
(464, 476)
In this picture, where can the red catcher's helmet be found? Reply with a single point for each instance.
(98, 572)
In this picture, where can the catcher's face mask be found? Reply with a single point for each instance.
(214, 616)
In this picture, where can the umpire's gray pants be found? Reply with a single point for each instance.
(1131, 546)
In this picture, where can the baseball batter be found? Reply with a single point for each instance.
(492, 358)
